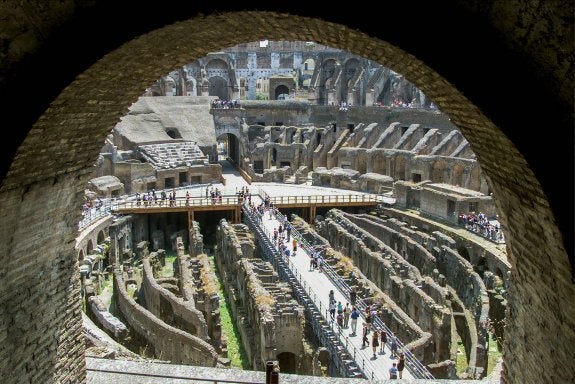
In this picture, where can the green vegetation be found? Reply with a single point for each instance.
(168, 269)
(494, 354)
(461, 359)
(236, 352)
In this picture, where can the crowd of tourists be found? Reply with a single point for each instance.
(225, 104)
(481, 225)
(151, 198)
(346, 316)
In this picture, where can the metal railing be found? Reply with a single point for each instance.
(179, 202)
(325, 199)
(175, 377)
(412, 363)
(304, 295)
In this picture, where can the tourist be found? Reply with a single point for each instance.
(339, 318)
(339, 308)
(346, 314)
(393, 371)
(331, 296)
(368, 320)
(393, 346)
(382, 341)
(364, 340)
(374, 343)
(331, 309)
(401, 364)
(352, 296)
(354, 316)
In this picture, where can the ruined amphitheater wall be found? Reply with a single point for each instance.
(407, 247)
(493, 261)
(170, 308)
(457, 272)
(391, 279)
(272, 322)
(167, 342)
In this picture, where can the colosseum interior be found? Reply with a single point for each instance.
(377, 112)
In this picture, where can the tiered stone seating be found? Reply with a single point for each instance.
(172, 155)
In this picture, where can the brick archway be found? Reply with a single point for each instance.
(56, 156)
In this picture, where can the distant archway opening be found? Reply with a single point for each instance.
(287, 362)
(228, 148)
(281, 92)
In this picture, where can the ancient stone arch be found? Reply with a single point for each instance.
(437, 171)
(457, 174)
(89, 247)
(540, 298)
(475, 178)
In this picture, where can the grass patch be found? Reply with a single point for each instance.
(493, 356)
(168, 268)
(236, 352)
(494, 353)
(461, 363)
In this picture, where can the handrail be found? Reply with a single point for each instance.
(282, 266)
(180, 202)
(411, 362)
(324, 199)
(164, 376)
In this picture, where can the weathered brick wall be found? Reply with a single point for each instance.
(40, 308)
(54, 161)
(182, 313)
(167, 342)
(495, 261)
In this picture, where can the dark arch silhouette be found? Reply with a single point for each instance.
(518, 172)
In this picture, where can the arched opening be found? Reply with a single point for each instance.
(437, 171)
(460, 109)
(327, 83)
(89, 247)
(219, 88)
(325, 362)
(287, 362)
(101, 237)
(281, 92)
(457, 175)
(228, 148)
(173, 133)
(464, 253)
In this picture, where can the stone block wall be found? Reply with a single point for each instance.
(455, 271)
(168, 307)
(494, 260)
(165, 341)
(271, 321)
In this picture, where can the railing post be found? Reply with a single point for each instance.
(269, 370)
(275, 377)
